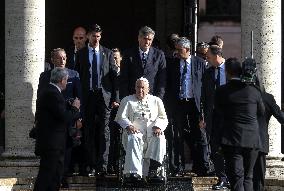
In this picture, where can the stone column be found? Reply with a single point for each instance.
(24, 61)
(263, 17)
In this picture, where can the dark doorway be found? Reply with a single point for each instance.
(120, 21)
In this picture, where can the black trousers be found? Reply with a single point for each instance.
(219, 164)
(96, 132)
(114, 147)
(51, 170)
(239, 167)
(188, 131)
(259, 172)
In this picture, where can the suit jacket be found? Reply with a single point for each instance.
(132, 69)
(108, 74)
(271, 108)
(71, 56)
(207, 96)
(52, 119)
(73, 88)
(238, 107)
(174, 75)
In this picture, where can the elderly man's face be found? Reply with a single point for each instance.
(145, 42)
(181, 52)
(142, 89)
(59, 59)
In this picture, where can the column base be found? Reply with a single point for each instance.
(18, 164)
(274, 168)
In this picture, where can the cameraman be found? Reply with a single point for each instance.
(238, 105)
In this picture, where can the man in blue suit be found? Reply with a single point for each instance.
(184, 89)
(98, 73)
(143, 61)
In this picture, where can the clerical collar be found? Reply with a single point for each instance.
(56, 86)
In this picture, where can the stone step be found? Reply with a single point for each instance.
(110, 183)
(87, 183)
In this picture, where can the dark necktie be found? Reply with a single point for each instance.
(183, 77)
(94, 70)
(144, 59)
(217, 82)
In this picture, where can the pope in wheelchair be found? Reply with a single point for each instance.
(143, 119)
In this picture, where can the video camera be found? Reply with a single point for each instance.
(249, 71)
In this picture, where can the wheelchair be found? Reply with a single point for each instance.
(163, 172)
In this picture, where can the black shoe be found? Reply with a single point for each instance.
(92, 173)
(132, 178)
(177, 173)
(111, 170)
(155, 177)
(282, 159)
(220, 185)
(102, 172)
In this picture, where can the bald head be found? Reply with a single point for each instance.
(79, 37)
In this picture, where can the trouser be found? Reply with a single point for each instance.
(187, 130)
(219, 164)
(114, 147)
(51, 170)
(97, 135)
(259, 172)
(239, 166)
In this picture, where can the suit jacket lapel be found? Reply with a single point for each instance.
(102, 59)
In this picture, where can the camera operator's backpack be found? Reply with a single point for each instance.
(249, 70)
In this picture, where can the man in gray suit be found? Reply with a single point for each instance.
(143, 61)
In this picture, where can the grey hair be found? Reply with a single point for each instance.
(183, 42)
(145, 31)
(55, 51)
(58, 74)
(143, 80)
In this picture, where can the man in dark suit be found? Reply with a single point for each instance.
(79, 40)
(271, 108)
(184, 89)
(97, 70)
(72, 91)
(237, 107)
(213, 78)
(52, 121)
(143, 61)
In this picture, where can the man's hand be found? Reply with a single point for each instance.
(132, 130)
(202, 124)
(76, 103)
(79, 124)
(114, 104)
(156, 131)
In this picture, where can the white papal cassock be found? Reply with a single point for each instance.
(141, 147)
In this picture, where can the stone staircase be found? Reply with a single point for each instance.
(110, 183)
